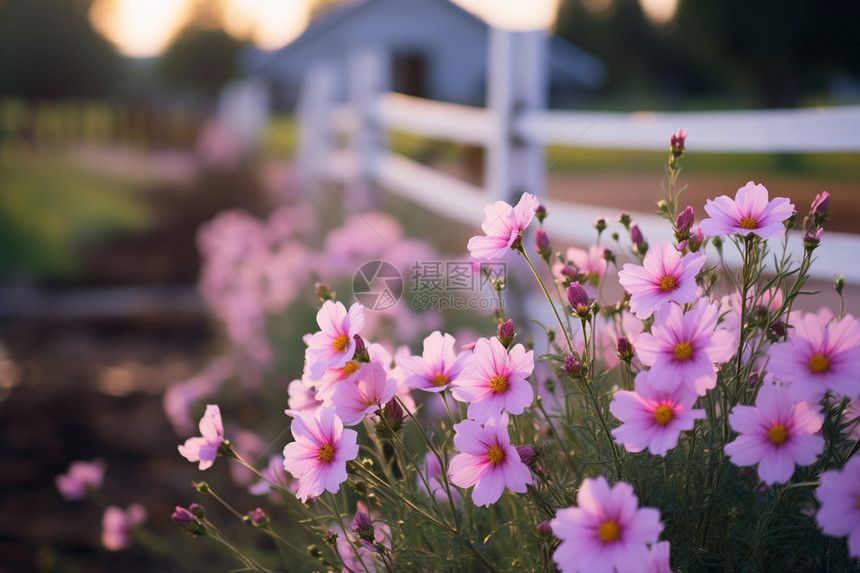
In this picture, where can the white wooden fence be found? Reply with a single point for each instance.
(515, 127)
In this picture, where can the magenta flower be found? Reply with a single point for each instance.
(839, 514)
(818, 358)
(205, 448)
(369, 392)
(653, 418)
(117, 524)
(664, 277)
(681, 349)
(81, 477)
(749, 212)
(503, 225)
(438, 367)
(334, 345)
(776, 433)
(606, 532)
(494, 380)
(487, 461)
(318, 456)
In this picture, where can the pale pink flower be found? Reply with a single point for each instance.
(379, 353)
(681, 349)
(273, 473)
(487, 461)
(659, 558)
(117, 524)
(205, 449)
(749, 212)
(776, 433)
(839, 515)
(318, 456)
(653, 418)
(663, 277)
(433, 472)
(370, 391)
(606, 532)
(438, 367)
(357, 553)
(334, 345)
(503, 226)
(302, 398)
(80, 478)
(818, 358)
(494, 380)
(590, 263)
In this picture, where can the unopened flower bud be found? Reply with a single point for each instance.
(684, 222)
(363, 526)
(696, 238)
(527, 454)
(258, 517)
(839, 284)
(182, 516)
(540, 213)
(600, 225)
(360, 347)
(676, 142)
(638, 240)
(608, 256)
(820, 205)
(506, 333)
(753, 380)
(571, 364)
(812, 239)
(542, 242)
(393, 414)
(330, 537)
(197, 509)
(323, 291)
(568, 272)
(779, 329)
(578, 298)
(624, 219)
(544, 529)
(625, 349)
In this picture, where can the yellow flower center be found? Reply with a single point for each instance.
(683, 351)
(499, 384)
(777, 434)
(495, 455)
(340, 342)
(350, 367)
(663, 415)
(818, 363)
(748, 223)
(440, 380)
(326, 453)
(609, 531)
(667, 283)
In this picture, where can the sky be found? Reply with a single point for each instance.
(144, 28)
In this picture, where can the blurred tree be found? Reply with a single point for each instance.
(49, 50)
(200, 60)
(769, 53)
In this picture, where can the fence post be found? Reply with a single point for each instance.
(516, 82)
(314, 110)
(369, 77)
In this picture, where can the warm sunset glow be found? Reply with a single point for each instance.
(517, 15)
(269, 23)
(139, 28)
(659, 11)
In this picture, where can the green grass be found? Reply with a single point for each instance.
(49, 209)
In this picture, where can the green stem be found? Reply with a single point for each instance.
(522, 251)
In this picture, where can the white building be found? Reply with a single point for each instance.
(436, 50)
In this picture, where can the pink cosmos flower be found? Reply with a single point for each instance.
(749, 212)
(117, 524)
(81, 477)
(653, 418)
(302, 398)
(334, 345)
(487, 461)
(438, 367)
(591, 263)
(818, 358)
(318, 456)
(660, 553)
(205, 448)
(503, 226)
(683, 348)
(776, 433)
(664, 277)
(494, 380)
(372, 389)
(606, 532)
(839, 514)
